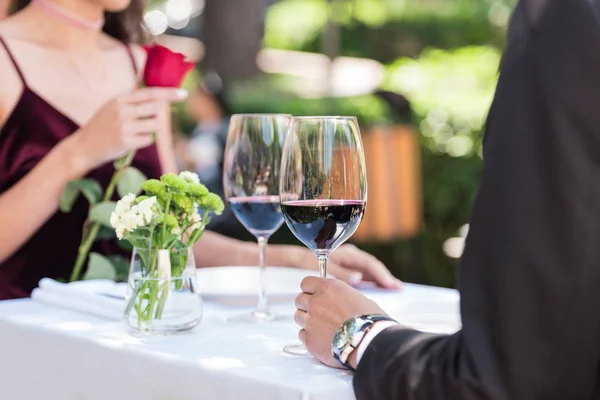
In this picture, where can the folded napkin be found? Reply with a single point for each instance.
(91, 297)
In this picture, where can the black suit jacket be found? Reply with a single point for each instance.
(530, 274)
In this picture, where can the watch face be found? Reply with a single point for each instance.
(345, 333)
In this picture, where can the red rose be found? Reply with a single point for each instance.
(165, 68)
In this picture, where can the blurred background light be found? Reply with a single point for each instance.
(344, 76)
(454, 247)
(156, 22)
(178, 13)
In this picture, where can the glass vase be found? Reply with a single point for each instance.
(162, 293)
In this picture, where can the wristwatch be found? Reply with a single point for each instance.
(350, 334)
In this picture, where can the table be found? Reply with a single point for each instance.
(52, 353)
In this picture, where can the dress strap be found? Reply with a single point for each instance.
(132, 58)
(13, 60)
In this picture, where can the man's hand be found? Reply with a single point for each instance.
(322, 307)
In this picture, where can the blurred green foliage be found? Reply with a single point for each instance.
(397, 27)
(450, 92)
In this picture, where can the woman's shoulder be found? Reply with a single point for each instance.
(10, 82)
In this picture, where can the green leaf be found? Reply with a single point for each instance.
(99, 267)
(121, 265)
(125, 245)
(130, 182)
(105, 233)
(101, 212)
(89, 187)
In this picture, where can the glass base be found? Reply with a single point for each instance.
(256, 317)
(166, 330)
(296, 350)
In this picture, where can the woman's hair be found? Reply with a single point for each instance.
(126, 26)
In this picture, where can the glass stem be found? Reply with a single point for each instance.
(323, 265)
(263, 306)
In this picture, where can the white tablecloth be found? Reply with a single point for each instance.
(52, 353)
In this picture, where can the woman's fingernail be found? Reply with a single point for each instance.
(181, 93)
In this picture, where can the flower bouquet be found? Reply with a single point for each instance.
(162, 224)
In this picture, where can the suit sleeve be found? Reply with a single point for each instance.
(530, 274)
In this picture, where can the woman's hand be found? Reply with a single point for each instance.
(124, 124)
(347, 263)
(352, 265)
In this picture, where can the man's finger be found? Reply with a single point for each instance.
(301, 301)
(302, 336)
(300, 318)
(311, 284)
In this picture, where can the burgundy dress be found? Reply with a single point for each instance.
(31, 131)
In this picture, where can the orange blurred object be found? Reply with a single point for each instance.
(394, 207)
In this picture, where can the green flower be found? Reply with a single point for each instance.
(212, 202)
(196, 189)
(154, 187)
(174, 182)
(182, 201)
(169, 220)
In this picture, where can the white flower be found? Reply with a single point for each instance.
(114, 219)
(189, 177)
(121, 208)
(124, 204)
(127, 217)
(195, 216)
(146, 209)
(130, 220)
(196, 220)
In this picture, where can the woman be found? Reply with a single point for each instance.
(68, 107)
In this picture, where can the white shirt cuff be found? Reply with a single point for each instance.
(374, 331)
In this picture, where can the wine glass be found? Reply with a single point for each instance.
(323, 185)
(251, 185)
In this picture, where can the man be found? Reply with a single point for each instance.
(530, 275)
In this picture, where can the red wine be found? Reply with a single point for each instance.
(261, 215)
(323, 224)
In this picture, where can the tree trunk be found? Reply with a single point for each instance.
(232, 33)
